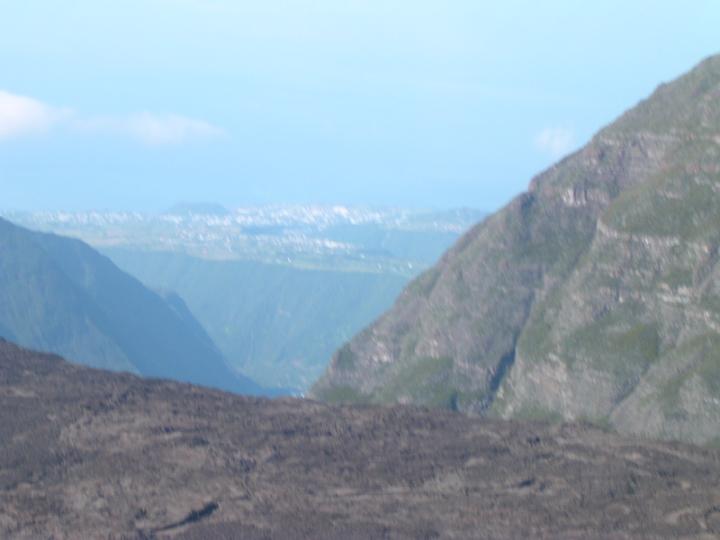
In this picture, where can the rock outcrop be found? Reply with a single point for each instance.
(594, 295)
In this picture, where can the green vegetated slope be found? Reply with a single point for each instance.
(59, 295)
(277, 324)
(594, 295)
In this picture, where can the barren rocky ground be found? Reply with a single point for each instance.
(91, 454)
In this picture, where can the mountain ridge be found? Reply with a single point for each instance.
(497, 326)
(60, 295)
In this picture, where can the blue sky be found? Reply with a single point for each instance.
(142, 103)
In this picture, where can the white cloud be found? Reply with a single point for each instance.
(555, 141)
(169, 129)
(21, 116)
(151, 129)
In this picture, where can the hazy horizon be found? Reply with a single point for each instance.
(140, 105)
(210, 207)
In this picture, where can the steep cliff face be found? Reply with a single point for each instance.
(593, 295)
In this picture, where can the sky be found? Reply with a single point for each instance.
(139, 104)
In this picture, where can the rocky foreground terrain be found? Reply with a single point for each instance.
(93, 454)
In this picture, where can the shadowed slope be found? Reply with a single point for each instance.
(59, 295)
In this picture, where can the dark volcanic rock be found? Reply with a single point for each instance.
(92, 454)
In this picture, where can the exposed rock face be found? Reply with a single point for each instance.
(91, 454)
(594, 295)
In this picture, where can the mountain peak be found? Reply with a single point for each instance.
(687, 106)
(594, 295)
